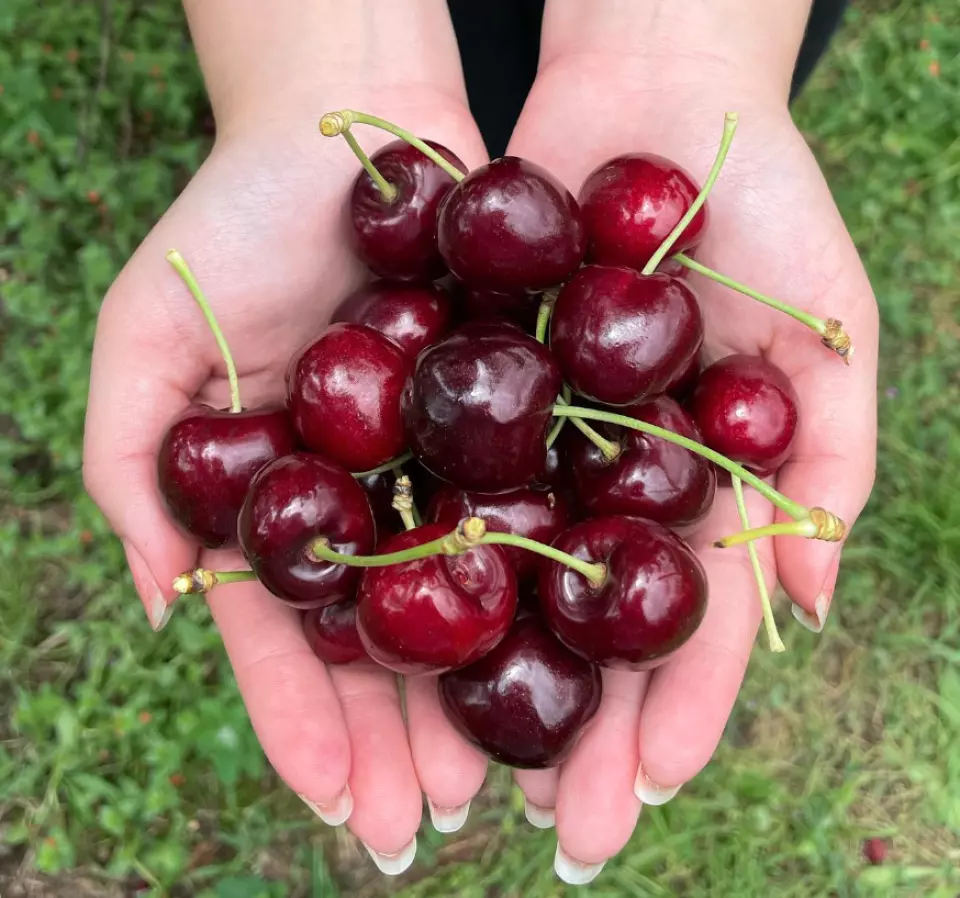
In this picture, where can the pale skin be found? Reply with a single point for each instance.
(261, 226)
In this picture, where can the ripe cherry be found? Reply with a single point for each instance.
(332, 632)
(620, 337)
(292, 502)
(488, 305)
(651, 602)
(526, 702)
(398, 239)
(747, 409)
(343, 392)
(478, 407)
(208, 458)
(437, 613)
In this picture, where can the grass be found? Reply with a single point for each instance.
(127, 759)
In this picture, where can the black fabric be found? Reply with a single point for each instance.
(500, 42)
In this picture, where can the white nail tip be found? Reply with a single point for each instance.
(813, 622)
(160, 613)
(651, 794)
(541, 818)
(572, 872)
(394, 864)
(448, 820)
(333, 813)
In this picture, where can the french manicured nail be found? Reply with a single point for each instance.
(813, 622)
(649, 792)
(541, 818)
(573, 872)
(396, 863)
(448, 820)
(334, 812)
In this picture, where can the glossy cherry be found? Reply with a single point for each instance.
(436, 613)
(478, 407)
(620, 337)
(343, 392)
(512, 227)
(292, 502)
(652, 601)
(747, 409)
(208, 458)
(489, 305)
(537, 514)
(332, 633)
(630, 205)
(526, 702)
(650, 478)
(414, 316)
(398, 240)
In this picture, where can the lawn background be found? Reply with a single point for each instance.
(127, 758)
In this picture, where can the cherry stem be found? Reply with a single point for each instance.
(566, 395)
(386, 466)
(796, 511)
(180, 266)
(807, 528)
(470, 533)
(769, 623)
(387, 190)
(335, 123)
(609, 449)
(543, 314)
(200, 581)
(403, 500)
(831, 331)
(730, 121)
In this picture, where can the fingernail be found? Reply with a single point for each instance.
(396, 863)
(813, 622)
(649, 792)
(334, 812)
(448, 820)
(541, 818)
(158, 611)
(573, 872)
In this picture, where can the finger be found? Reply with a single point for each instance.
(387, 798)
(539, 789)
(597, 809)
(690, 697)
(450, 770)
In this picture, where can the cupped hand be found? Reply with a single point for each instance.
(262, 226)
(774, 227)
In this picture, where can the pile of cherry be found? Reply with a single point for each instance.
(550, 543)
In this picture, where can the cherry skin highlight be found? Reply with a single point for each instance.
(747, 409)
(620, 337)
(478, 407)
(398, 240)
(650, 478)
(414, 316)
(631, 204)
(510, 226)
(343, 392)
(208, 458)
(332, 633)
(436, 613)
(526, 702)
(652, 601)
(292, 502)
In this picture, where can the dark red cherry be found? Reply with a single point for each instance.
(631, 204)
(332, 632)
(208, 458)
(651, 478)
(437, 613)
(747, 409)
(414, 316)
(526, 702)
(652, 601)
(620, 337)
(488, 305)
(478, 407)
(681, 387)
(292, 502)
(343, 392)
(379, 490)
(398, 240)
(512, 227)
(537, 514)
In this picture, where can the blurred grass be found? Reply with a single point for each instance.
(127, 759)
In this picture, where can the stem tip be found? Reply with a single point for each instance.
(333, 124)
(195, 582)
(829, 527)
(837, 339)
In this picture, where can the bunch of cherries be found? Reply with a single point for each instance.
(551, 542)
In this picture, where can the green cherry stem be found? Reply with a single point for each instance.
(730, 121)
(831, 331)
(387, 190)
(769, 623)
(403, 500)
(200, 581)
(470, 533)
(609, 449)
(566, 395)
(391, 465)
(180, 266)
(335, 123)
